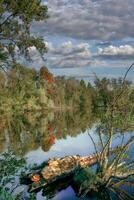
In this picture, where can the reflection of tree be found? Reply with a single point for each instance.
(48, 142)
(25, 132)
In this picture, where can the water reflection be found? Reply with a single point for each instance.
(28, 131)
(40, 136)
(80, 144)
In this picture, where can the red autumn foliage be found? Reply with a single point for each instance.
(50, 80)
(46, 144)
(46, 75)
(52, 139)
(50, 128)
(35, 178)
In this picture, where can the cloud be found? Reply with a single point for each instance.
(122, 52)
(66, 55)
(89, 19)
(69, 55)
(96, 22)
(68, 48)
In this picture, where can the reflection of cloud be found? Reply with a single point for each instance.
(89, 19)
(123, 51)
(62, 148)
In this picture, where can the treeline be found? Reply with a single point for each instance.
(117, 94)
(24, 89)
(73, 105)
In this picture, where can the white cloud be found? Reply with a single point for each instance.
(102, 21)
(125, 51)
(49, 45)
(66, 55)
(68, 48)
(67, 45)
(69, 55)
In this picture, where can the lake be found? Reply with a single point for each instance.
(38, 137)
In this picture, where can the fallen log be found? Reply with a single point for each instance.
(59, 168)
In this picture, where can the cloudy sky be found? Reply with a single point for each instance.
(87, 36)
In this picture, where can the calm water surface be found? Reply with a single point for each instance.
(82, 145)
(44, 137)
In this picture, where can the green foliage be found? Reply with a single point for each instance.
(113, 104)
(16, 18)
(28, 89)
(105, 99)
(3, 56)
(9, 166)
(86, 178)
(25, 91)
(4, 195)
(19, 91)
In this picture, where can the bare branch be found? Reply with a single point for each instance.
(5, 21)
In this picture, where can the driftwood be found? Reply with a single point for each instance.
(58, 168)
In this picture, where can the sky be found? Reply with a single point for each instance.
(87, 37)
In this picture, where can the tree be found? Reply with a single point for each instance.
(112, 172)
(45, 75)
(16, 18)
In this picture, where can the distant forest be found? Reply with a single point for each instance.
(25, 89)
